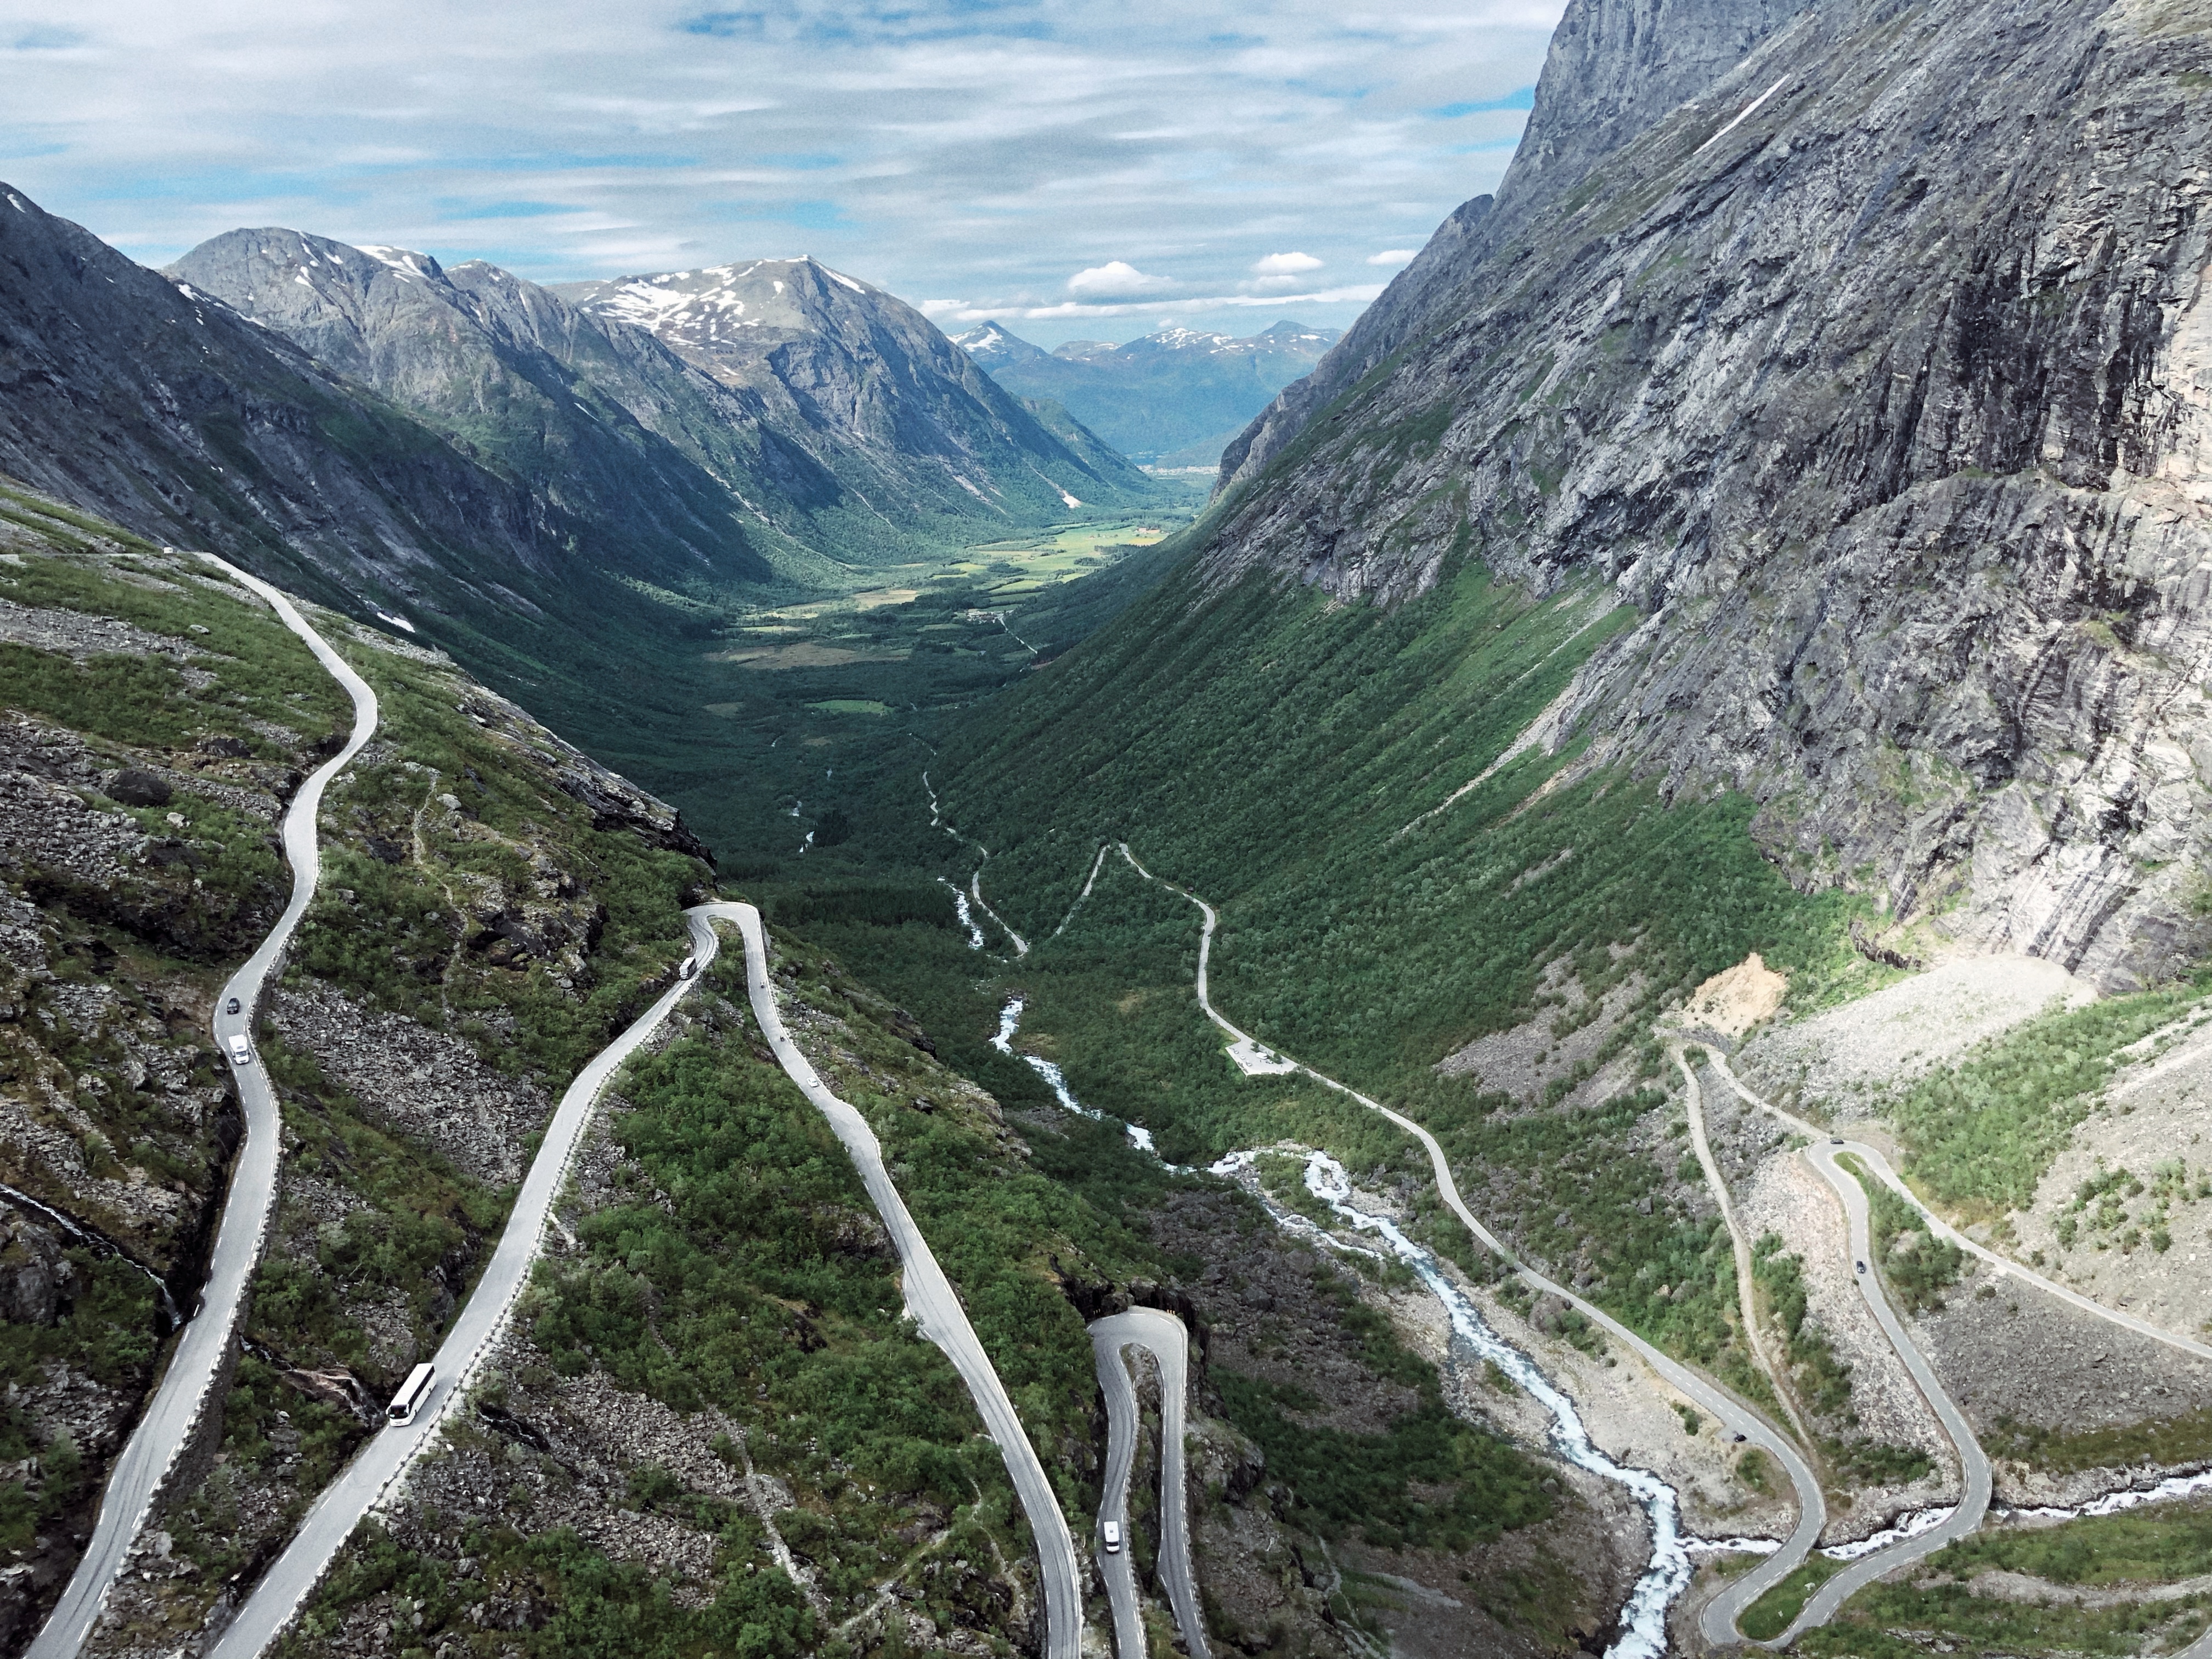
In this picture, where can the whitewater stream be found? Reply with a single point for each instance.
(1010, 1018)
(1644, 1620)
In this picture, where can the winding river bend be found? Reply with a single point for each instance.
(1644, 1620)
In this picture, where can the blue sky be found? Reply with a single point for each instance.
(1076, 170)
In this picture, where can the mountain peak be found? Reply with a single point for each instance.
(991, 345)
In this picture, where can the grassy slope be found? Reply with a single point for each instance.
(1265, 749)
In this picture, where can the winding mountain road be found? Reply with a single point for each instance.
(1888, 1177)
(1746, 1286)
(1720, 1613)
(1163, 1335)
(933, 1303)
(380, 1463)
(171, 1417)
(1973, 1466)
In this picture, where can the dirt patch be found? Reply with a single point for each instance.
(1736, 999)
(1903, 1029)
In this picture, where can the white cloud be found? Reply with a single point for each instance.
(1394, 256)
(1286, 264)
(1114, 276)
(935, 148)
(1071, 310)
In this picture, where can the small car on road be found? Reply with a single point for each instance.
(231, 1006)
(1860, 1266)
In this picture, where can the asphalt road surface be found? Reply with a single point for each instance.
(1943, 1229)
(935, 1306)
(379, 1464)
(1163, 1335)
(165, 1427)
(1732, 1414)
(1973, 1467)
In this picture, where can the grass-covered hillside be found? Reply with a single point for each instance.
(493, 907)
(710, 1429)
(1306, 767)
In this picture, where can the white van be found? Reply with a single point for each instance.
(690, 967)
(1111, 1532)
(241, 1052)
(412, 1393)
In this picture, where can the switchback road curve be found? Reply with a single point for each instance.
(171, 1416)
(933, 1303)
(380, 1463)
(1943, 1229)
(1973, 1466)
(1163, 1335)
(1720, 1613)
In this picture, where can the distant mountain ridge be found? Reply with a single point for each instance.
(874, 392)
(1172, 398)
(808, 440)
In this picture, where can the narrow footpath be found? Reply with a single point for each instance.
(1746, 1286)
(172, 1415)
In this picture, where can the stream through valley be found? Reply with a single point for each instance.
(1644, 1620)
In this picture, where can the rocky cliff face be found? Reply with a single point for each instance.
(1874, 373)
(1614, 68)
(869, 389)
(124, 394)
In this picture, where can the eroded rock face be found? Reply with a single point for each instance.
(1877, 374)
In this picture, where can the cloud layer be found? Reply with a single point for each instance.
(1036, 158)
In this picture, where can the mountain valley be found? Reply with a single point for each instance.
(1614, 932)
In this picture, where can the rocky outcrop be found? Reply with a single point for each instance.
(1874, 372)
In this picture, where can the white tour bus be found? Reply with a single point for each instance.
(412, 1393)
(1111, 1531)
(241, 1053)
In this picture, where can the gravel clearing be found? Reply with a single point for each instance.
(1903, 1029)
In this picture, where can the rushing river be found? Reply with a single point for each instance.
(1009, 1019)
(1644, 1620)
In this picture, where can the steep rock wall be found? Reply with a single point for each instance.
(1876, 376)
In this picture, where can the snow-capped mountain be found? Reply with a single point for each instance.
(1172, 398)
(868, 385)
